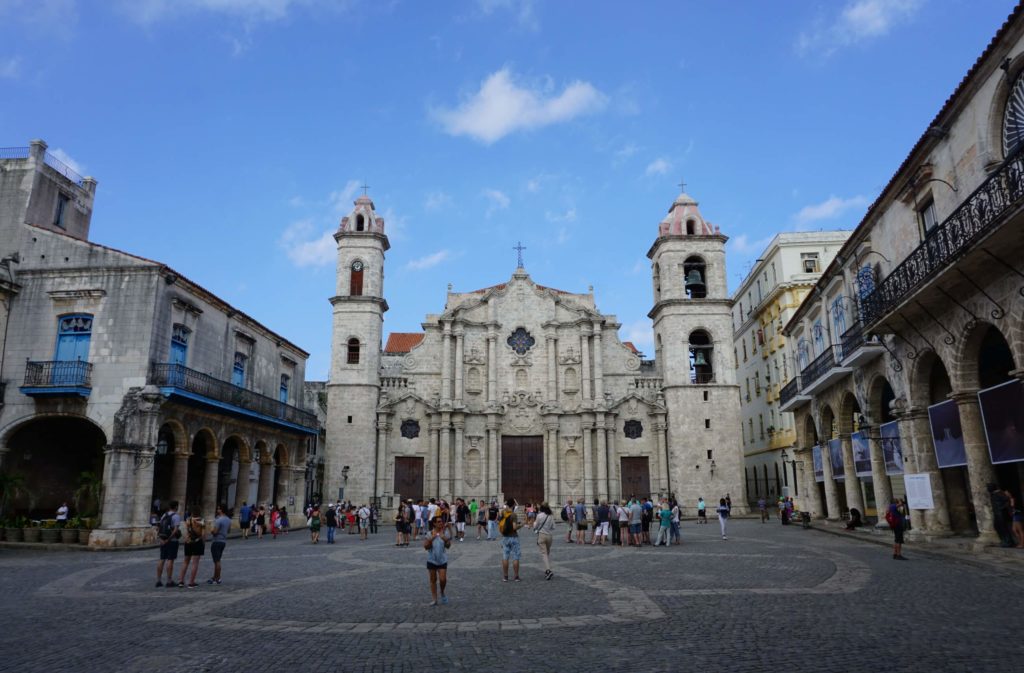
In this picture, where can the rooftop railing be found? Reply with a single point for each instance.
(180, 376)
(975, 217)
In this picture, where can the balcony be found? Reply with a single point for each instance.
(58, 378)
(858, 349)
(822, 372)
(189, 386)
(790, 398)
(980, 214)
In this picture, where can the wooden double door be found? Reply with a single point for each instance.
(409, 477)
(636, 478)
(522, 468)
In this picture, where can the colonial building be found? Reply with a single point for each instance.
(523, 390)
(118, 371)
(765, 301)
(911, 343)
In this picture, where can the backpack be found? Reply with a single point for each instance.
(565, 514)
(505, 523)
(890, 518)
(166, 526)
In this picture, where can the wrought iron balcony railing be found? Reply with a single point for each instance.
(790, 390)
(204, 385)
(819, 366)
(979, 214)
(852, 339)
(58, 374)
(702, 377)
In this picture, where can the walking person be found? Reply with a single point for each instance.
(282, 520)
(62, 515)
(675, 534)
(544, 527)
(261, 522)
(400, 516)
(168, 532)
(601, 515)
(219, 540)
(762, 506)
(636, 513)
(568, 514)
(894, 516)
(374, 517)
(245, 519)
(623, 520)
(364, 522)
(437, 559)
(723, 516)
(275, 521)
(481, 521)
(581, 522)
(331, 521)
(664, 525)
(194, 548)
(492, 521)
(510, 549)
(314, 524)
(461, 514)
(702, 515)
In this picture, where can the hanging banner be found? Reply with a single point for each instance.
(819, 469)
(892, 449)
(947, 435)
(1002, 414)
(861, 454)
(835, 459)
(919, 491)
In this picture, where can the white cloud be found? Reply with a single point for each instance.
(641, 333)
(533, 185)
(659, 166)
(829, 209)
(10, 68)
(429, 261)
(304, 248)
(436, 201)
(395, 225)
(627, 150)
(502, 107)
(341, 199)
(642, 265)
(150, 11)
(522, 9)
(742, 244)
(499, 200)
(68, 161)
(859, 20)
(568, 216)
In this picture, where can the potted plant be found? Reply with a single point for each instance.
(31, 531)
(85, 529)
(69, 533)
(11, 486)
(48, 531)
(12, 529)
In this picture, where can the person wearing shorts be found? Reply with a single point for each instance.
(194, 548)
(219, 537)
(437, 545)
(510, 550)
(168, 543)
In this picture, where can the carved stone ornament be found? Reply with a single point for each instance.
(474, 357)
(633, 429)
(410, 428)
(522, 399)
(521, 419)
(570, 357)
(520, 341)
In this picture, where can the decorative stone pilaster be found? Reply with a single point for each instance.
(805, 459)
(854, 495)
(588, 461)
(916, 440)
(241, 486)
(209, 501)
(831, 488)
(979, 466)
(264, 489)
(598, 367)
(446, 363)
(459, 366)
(601, 492)
(879, 479)
(585, 376)
(459, 477)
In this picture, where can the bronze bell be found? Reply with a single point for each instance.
(699, 359)
(693, 278)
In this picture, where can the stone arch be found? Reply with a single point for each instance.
(695, 277)
(203, 447)
(827, 421)
(849, 408)
(806, 432)
(981, 347)
(281, 473)
(928, 370)
(171, 441)
(281, 455)
(880, 396)
(994, 121)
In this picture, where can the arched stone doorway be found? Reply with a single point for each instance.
(229, 479)
(811, 440)
(835, 489)
(993, 366)
(204, 447)
(171, 439)
(281, 474)
(58, 459)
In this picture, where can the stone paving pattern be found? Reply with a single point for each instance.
(769, 598)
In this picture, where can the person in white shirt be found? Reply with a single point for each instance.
(364, 522)
(62, 514)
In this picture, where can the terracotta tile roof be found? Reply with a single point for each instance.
(403, 342)
(630, 346)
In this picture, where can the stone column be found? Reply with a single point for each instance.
(492, 456)
(444, 463)
(459, 354)
(179, 477)
(808, 482)
(661, 428)
(614, 480)
(602, 459)
(588, 461)
(979, 465)
(446, 363)
(879, 479)
(854, 496)
(435, 456)
(598, 367)
(492, 366)
(552, 344)
(383, 429)
(241, 486)
(831, 488)
(210, 486)
(585, 356)
(551, 453)
(459, 476)
(297, 490)
(264, 490)
(143, 492)
(916, 442)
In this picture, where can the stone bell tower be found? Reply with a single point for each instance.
(693, 348)
(354, 384)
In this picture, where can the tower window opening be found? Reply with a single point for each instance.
(690, 227)
(360, 223)
(701, 358)
(695, 278)
(356, 279)
(353, 351)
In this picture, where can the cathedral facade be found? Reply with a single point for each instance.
(522, 390)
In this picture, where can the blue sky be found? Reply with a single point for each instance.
(229, 136)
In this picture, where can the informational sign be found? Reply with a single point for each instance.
(892, 448)
(947, 434)
(819, 468)
(835, 459)
(919, 491)
(1002, 413)
(861, 454)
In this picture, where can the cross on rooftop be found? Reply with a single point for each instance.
(682, 186)
(519, 247)
(364, 187)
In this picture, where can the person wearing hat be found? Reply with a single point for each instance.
(331, 521)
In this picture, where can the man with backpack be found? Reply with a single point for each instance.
(168, 533)
(364, 522)
(568, 512)
(508, 526)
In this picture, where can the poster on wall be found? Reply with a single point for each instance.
(835, 459)
(947, 435)
(919, 491)
(892, 449)
(819, 469)
(1002, 414)
(861, 454)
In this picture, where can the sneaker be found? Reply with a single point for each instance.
(548, 574)
(209, 581)
(159, 584)
(193, 585)
(181, 585)
(433, 604)
(444, 600)
(724, 537)
(516, 579)
(504, 579)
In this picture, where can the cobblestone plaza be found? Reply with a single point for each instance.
(769, 598)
